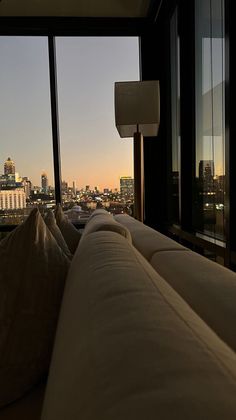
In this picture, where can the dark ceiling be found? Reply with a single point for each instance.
(76, 8)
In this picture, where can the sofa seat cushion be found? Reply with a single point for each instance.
(145, 239)
(209, 288)
(128, 347)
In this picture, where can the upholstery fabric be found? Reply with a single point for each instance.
(146, 239)
(207, 287)
(137, 350)
(55, 231)
(105, 222)
(97, 212)
(32, 276)
(70, 233)
(27, 408)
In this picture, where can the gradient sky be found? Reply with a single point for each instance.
(92, 152)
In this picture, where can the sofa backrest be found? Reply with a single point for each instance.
(207, 287)
(145, 239)
(128, 346)
(101, 220)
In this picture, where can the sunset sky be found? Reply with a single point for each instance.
(92, 152)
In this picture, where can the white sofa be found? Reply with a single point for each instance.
(209, 288)
(128, 346)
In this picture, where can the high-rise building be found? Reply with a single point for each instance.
(27, 185)
(74, 188)
(127, 187)
(206, 175)
(206, 169)
(9, 167)
(64, 187)
(44, 183)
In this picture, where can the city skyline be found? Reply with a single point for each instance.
(91, 149)
(9, 168)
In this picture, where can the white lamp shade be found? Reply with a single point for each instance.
(137, 105)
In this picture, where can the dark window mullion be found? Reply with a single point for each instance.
(187, 112)
(54, 114)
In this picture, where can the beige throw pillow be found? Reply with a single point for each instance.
(32, 277)
(70, 233)
(55, 231)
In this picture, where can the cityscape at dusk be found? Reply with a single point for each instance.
(18, 196)
(90, 147)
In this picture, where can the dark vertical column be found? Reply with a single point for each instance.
(54, 114)
(230, 135)
(187, 110)
(227, 138)
(154, 52)
(138, 177)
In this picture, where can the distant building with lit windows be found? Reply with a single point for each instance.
(64, 187)
(27, 185)
(9, 167)
(12, 199)
(127, 187)
(44, 183)
(206, 169)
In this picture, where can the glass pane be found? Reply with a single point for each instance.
(175, 117)
(26, 168)
(210, 130)
(94, 158)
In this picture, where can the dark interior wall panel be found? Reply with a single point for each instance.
(154, 47)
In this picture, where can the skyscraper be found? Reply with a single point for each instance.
(44, 183)
(206, 175)
(74, 188)
(9, 167)
(127, 187)
(206, 169)
(27, 185)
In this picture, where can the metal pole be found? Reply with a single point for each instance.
(138, 177)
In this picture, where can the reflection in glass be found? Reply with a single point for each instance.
(210, 130)
(26, 168)
(175, 117)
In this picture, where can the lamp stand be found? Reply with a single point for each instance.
(138, 177)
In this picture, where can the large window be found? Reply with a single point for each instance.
(95, 161)
(97, 166)
(210, 129)
(26, 164)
